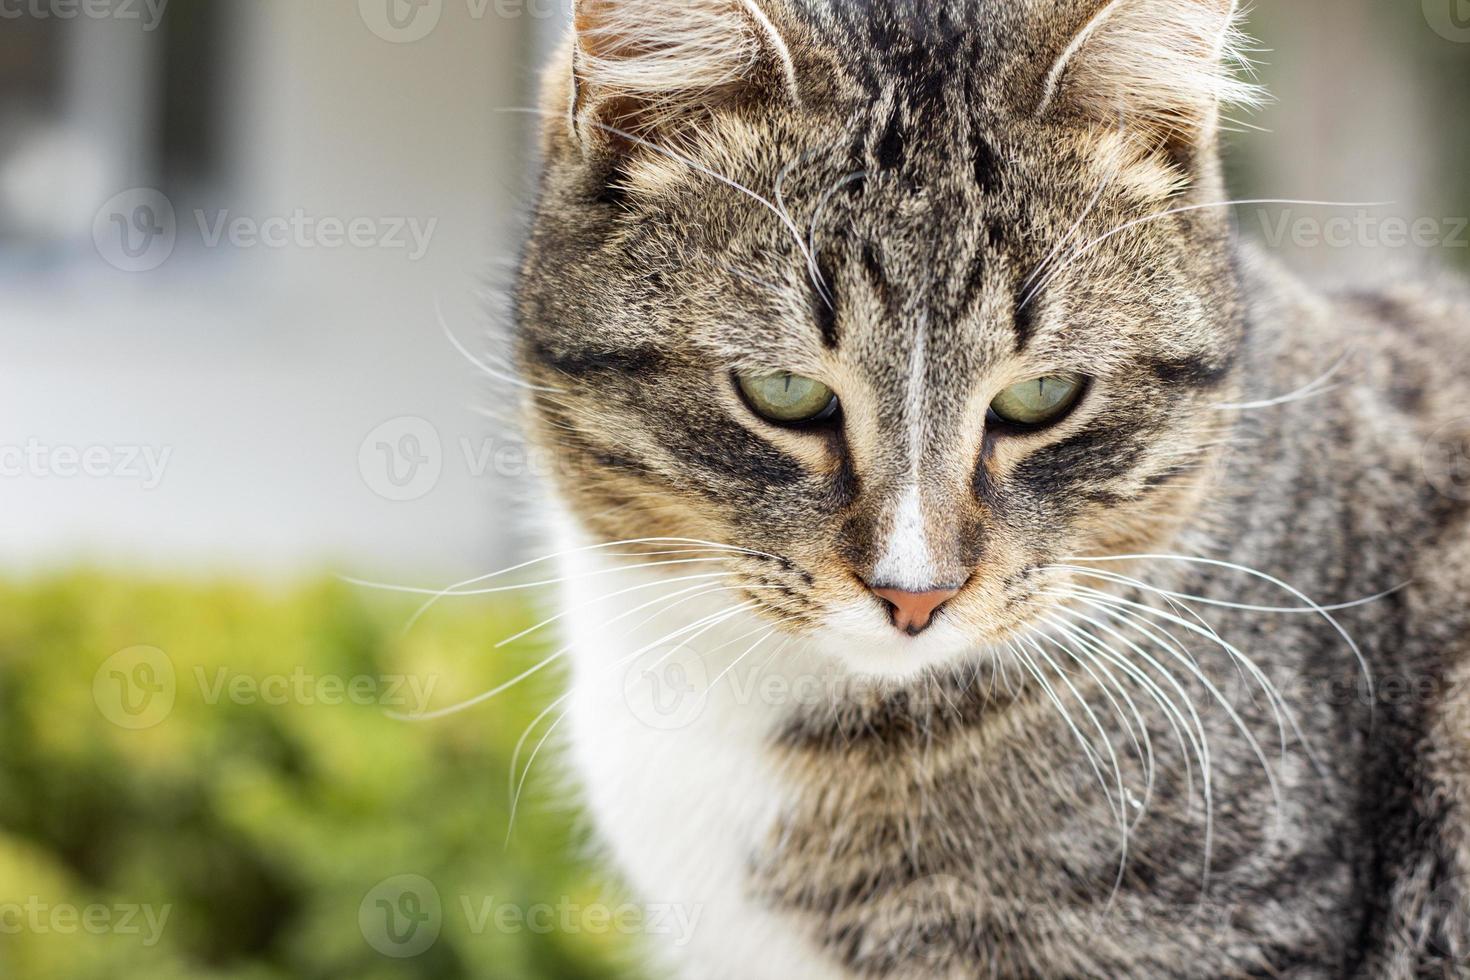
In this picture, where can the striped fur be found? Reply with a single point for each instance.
(920, 204)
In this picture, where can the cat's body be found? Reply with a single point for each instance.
(900, 843)
(838, 801)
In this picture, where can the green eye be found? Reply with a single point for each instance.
(788, 399)
(1039, 401)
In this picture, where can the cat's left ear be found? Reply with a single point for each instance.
(649, 71)
(1162, 67)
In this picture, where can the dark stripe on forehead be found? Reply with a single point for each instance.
(1024, 321)
(995, 234)
(874, 273)
(891, 149)
(974, 285)
(825, 301)
(987, 176)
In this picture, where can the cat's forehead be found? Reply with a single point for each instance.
(855, 264)
(920, 204)
(931, 191)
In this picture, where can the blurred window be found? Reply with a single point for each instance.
(90, 107)
(189, 143)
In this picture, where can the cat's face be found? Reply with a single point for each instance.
(885, 339)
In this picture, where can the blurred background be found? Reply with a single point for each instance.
(249, 254)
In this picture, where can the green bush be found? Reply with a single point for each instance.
(259, 815)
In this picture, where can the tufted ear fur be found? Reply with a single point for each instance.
(651, 70)
(1164, 68)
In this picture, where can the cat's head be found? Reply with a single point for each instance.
(887, 294)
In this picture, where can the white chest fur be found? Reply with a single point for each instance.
(669, 728)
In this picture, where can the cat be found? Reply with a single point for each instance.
(978, 560)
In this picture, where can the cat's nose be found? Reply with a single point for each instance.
(914, 611)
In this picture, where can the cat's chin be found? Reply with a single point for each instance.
(884, 654)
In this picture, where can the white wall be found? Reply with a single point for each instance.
(262, 370)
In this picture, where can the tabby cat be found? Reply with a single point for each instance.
(979, 561)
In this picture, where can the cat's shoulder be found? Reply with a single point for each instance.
(1426, 311)
(1408, 340)
(1426, 314)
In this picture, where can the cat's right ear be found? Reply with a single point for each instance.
(646, 73)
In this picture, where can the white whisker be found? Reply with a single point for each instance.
(1123, 615)
(1124, 826)
(520, 786)
(1201, 742)
(736, 663)
(513, 787)
(1263, 576)
(702, 626)
(1062, 243)
(1143, 747)
(528, 674)
(1223, 604)
(1094, 760)
(1310, 390)
(704, 579)
(509, 377)
(630, 542)
(1089, 247)
(821, 209)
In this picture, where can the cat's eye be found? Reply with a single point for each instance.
(1038, 402)
(788, 399)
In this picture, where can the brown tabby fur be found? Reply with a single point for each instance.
(950, 826)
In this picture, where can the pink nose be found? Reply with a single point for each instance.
(913, 611)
